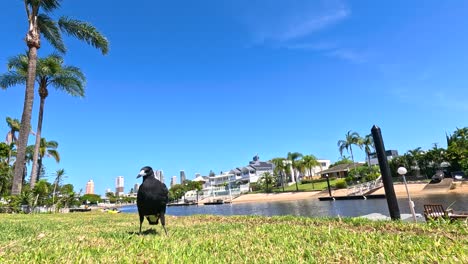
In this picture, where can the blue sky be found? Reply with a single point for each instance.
(205, 85)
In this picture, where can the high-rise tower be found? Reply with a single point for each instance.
(90, 187)
(119, 185)
(173, 181)
(182, 177)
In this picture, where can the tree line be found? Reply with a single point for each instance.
(49, 71)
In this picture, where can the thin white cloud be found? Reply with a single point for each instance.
(277, 22)
(309, 25)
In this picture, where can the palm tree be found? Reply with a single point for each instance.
(280, 168)
(40, 22)
(46, 149)
(367, 143)
(50, 71)
(351, 138)
(310, 161)
(11, 138)
(268, 179)
(293, 158)
(59, 174)
(14, 126)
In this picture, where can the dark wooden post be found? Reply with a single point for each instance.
(328, 184)
(386, 174)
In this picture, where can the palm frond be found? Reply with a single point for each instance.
(71, 80)
(49, 66)
(51, 32)
(84, 31)
(46, 5)
(10, 79)
(51, 144)
(54, 154)
(70, 84)
(75, 71)
(18, 63)
(13, 123)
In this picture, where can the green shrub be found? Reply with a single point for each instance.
(306, 181)
(341, 184)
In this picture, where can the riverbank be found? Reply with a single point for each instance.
(97, 237)
(415, 189)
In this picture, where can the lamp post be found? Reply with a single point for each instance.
(328, 184)
(402, 171)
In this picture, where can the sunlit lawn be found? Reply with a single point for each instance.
(317, 186)
(98, 237)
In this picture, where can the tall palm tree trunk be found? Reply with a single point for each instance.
(311, 178)
(297, 187)
(352, 157)
(293, 178)
(282, 179)
(25, 121)
(34, 43)
(34, 171)
(9, 154)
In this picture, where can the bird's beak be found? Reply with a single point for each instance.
(142, 173)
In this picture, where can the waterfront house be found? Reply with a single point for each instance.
(339, 171)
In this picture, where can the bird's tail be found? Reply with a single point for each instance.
(153, 219)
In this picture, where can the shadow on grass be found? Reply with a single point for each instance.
(146, 232)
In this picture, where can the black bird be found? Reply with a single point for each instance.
(152, 198)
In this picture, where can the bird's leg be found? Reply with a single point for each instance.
(163, 222)
(141, 221)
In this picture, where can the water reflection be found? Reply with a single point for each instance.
(316, 208)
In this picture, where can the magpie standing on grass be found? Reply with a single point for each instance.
(152, 198)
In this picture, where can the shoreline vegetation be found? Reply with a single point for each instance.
(415, 189)
(97, 237)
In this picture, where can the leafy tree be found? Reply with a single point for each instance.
(6, 174)
(343, 160)
(39, 22)
(267, 180)
(457, 149)
(91, 198)
(363, 174)
(67, 189)
(176, 192)
(192, 185)
(42, 191)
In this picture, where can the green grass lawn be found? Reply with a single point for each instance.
(318, 186)
(112, 238)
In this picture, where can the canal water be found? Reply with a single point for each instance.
(314, 207)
